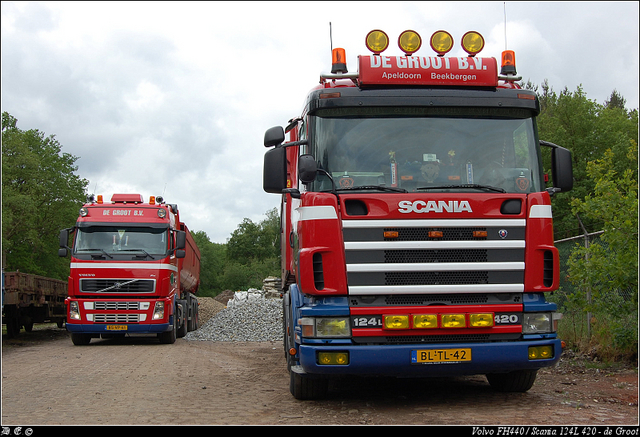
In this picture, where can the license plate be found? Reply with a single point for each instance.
(440, 356)
(117, 327)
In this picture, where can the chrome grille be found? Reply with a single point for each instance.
(116, 305)
(116, 318)
(416, 262)
(93, 285)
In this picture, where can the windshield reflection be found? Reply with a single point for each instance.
(112, 240)
(425, 153)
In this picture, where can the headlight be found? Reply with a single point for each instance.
(74, 312)
(325, 327)
(537, 323)
(158, 311)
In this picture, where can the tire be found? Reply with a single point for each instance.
(305, 388)
(516, 381)
(12, 320)
(193, 320)
(80, 339)
(169, 337)
(182, 329)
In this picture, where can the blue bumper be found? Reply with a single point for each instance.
(131, 329)
(390, 360)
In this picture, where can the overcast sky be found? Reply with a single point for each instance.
(173, 98)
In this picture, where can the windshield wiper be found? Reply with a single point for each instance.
(373, 187)
(99, 250)
(476, 186)
(138, 250)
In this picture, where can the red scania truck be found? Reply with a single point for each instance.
(417, 234)
(135, 269)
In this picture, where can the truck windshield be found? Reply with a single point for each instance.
(425, 149)
(110, 240)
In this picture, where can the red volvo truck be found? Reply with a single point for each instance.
(135, 269)
(417, 231)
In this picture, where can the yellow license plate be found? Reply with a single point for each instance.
(117, 327)
(440, 355)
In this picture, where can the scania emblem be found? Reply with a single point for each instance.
(422, 206)
(503, 233)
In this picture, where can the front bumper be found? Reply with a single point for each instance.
(130, 329)
(395, 360)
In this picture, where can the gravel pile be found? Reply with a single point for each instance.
(249, 316)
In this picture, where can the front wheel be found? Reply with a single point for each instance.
(80, 339)
(516, 381)
(169, 337)
(306, 388)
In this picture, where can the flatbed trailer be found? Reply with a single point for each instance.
(29, 299)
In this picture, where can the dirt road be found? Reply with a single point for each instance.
(46, 380)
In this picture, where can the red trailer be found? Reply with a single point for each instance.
(135, 269)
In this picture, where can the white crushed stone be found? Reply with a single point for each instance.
(249, 316)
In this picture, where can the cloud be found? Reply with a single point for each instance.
(173, 98)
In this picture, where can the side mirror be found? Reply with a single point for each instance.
(64, 242)
(561, 167)
(307, 168)
(274, 136)
(64, 238)
(181, 253)
(181, 240)
(274, 172)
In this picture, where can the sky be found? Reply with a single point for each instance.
(172, 99)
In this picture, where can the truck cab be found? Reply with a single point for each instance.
(417, 225)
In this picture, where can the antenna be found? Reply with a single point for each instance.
(330, 36)
(505, 25)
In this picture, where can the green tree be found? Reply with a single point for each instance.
(609, 267)
(41, 194)
(588, 129)
(251, 241)
(212, 264)
(253, 253)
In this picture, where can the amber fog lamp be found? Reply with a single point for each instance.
(396, 322)
(472, 43)
(481, 320)
(454, 321)
(441, 42)
(425, 321)
(377, 41)
(409, 42)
